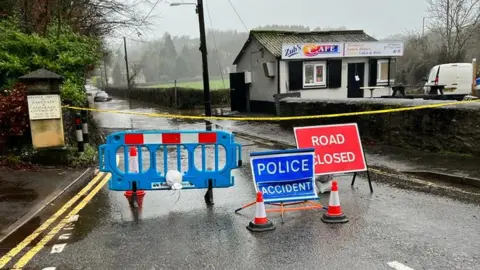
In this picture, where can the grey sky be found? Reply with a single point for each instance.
(380, 18)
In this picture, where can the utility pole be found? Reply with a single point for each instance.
(203, 49)
(128, 80)
(448, 30)
(423, 27)
(105, 68)
(126, 64)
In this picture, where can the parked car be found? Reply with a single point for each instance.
(101, 96)
(457, 78)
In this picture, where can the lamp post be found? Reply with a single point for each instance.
(203, 49)
(424, 19)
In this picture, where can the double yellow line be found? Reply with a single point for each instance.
(32, 252)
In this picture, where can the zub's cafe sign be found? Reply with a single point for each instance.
(349, 49)
(312, 51)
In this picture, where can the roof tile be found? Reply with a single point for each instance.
(273, 40)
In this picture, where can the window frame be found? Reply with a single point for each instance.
(315, 64)
(389, 63)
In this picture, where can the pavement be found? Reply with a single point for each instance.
(25, 195)
(391, 228)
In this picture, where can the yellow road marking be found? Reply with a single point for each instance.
(32, 252)
(283, 118)
(13, 252)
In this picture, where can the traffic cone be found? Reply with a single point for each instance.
(133, 160)
(140, 196)
(334, 213)
(129, 195)
(260, 222)
(133, 168)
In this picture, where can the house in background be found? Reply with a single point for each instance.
(320, 65)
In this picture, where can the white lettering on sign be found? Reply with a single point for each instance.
(287, 188)
(44, 107)
(327, 140)
(343, 157)
(279, 167)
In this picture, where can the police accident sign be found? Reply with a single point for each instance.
(284, 175)
(338, 148)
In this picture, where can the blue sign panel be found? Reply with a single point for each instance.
(284, 176)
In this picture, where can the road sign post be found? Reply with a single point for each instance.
(285, 177)
(338, 149)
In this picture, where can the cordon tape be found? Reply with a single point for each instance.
(280, 118)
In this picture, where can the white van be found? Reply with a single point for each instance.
(457, 78)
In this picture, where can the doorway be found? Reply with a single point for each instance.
(356, 77)
(238, 92)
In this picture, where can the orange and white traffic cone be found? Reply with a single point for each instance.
(133, 160)
(260, 222)
(133, 168)
(334, 213)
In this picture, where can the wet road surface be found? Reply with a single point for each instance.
(176, 230)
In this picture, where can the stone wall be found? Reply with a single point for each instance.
(445, 129)
(187, 98)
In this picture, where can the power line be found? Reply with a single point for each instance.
(128, 36)
(238, 15)
(148, 15)
(215, 43)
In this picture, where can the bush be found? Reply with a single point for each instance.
(85, 159)
(72, 93)
(187, 98)
(69, 55)
(14, 122)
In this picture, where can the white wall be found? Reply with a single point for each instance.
(262, 88)
(334, 92)
(283, 77)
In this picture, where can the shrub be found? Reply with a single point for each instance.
(73, 93)
(14, 122)
(79, 160)
(69, 55)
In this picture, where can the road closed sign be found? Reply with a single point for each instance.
(284, 175)
(338, 148)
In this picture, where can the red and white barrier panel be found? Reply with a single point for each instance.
(171, 138)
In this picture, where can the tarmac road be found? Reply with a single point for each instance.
(418, 230)
(391, 229)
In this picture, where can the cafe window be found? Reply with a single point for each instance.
(314, 74)
(382, 71)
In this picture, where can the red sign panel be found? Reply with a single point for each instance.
(338, 148)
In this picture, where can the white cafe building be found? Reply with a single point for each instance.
(328, 64)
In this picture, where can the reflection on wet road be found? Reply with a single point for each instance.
(126, 121)
(176, 230)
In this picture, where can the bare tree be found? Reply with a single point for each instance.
(457, 22)
(101, 17)
(87, 17)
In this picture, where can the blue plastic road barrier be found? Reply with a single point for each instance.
(285, 175)
(157, 143)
